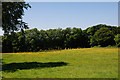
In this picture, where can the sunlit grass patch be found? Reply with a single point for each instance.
(80, 63)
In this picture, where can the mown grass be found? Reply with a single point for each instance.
(72, 63)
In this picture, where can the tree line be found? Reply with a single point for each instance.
(34, 40)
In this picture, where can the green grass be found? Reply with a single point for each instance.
(72, 63)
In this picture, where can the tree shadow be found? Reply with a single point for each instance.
(12, 67)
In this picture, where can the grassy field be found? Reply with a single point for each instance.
(72, 63)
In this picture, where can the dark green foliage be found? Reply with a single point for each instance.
(118, 30)
(34, 40)
(92, 30)
(12, 13)
(7, 43)
(0, 44)
(103, 37)
(117, 40)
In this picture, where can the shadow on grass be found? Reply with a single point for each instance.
(12, 67)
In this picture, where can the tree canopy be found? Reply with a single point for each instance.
(103, 37)
(12, 13)
(39, 40)
(117, 40)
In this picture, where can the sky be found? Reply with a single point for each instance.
(53, 15)
(71, 0)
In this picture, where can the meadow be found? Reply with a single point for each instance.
(70, 63)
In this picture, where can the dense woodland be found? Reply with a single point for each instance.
(33, 40)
